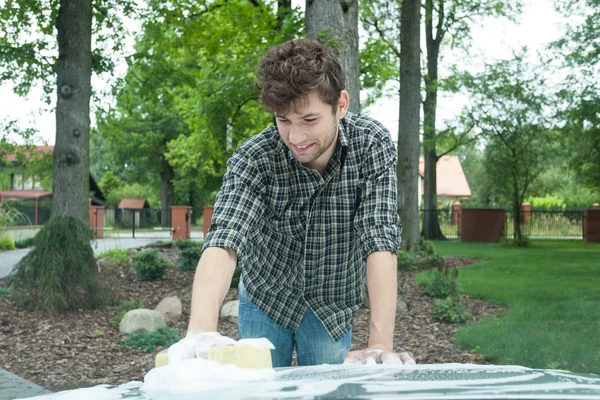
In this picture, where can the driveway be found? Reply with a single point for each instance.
(8, 259)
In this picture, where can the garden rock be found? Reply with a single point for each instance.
(401, 307)
(171, 309)
(108, 263)
(141, 320)
(230, 310)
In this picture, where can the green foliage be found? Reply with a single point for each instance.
(6, 243)
(444, 282)
(407, 260)
(11, 216)
(149, 265)
(147, 342)
(119, 255)
(548, 201)
(4, 292)
(235, 280)
(182, 244)
(134, 191)
(110, 183)
(451, 309)
(426, 247)
(123, 308)
(24, 243)
(189, 258)
(59, 273)
(522, 242)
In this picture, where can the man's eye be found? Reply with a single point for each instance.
(310, 120)
(283, 121)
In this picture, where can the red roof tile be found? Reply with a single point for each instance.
(37, 149)
(133, 203)
(451, 180)
(23, 194)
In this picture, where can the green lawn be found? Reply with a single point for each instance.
(552, 293)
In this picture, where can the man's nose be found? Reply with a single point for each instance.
(297, 135)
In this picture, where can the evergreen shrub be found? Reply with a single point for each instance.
(149, 265)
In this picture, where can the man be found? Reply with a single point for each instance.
(305, 206)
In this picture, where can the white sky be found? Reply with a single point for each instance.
(493, 39)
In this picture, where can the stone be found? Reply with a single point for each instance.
(230, 310)
(108, 263)
(141, 320)
(401, 307)
(171, 309)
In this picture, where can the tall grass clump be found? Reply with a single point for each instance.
(59, 274)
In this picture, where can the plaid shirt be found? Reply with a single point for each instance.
(303, 239)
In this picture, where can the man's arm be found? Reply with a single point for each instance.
(211, 283)
(382, 281)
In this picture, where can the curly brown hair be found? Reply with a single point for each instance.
(290, 71)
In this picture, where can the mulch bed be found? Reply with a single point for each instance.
(81, 348)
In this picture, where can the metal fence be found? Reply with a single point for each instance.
(136, 223)
(535, 224)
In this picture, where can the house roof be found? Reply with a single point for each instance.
(36, 149)
(134, 203)
(22, 194)
(451, 180)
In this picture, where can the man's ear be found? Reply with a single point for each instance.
(343, 104)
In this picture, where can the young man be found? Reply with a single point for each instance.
(304, 208)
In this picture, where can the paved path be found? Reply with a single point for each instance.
(8, 259)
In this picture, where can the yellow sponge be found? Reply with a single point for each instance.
(242, 355)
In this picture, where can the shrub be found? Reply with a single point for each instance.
(189, 257)
(183, 244)
(59, 273)
(149, 265)
(119, 255)
(426, 247)
(6, 243)
(24, 243)
(451, 309)
(123, 308)
(4, 292)
(444, 282)
(407, 260)
(147, 342)
(235, 280)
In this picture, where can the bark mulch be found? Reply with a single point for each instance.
(81, 348)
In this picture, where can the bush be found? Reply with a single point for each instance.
(426, 247)
(183, 244)
(147, 342)
(451, 309)
(4, 292)
(149, 265)
(119, 255)
(123, 308)
(24, 243)
(189, 257)
(444, 282)
(407, 260)
(6, 243)
(59, 273)
(235, 280)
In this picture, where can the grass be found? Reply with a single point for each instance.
(552, 295)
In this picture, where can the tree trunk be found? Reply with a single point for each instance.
(71, 163)
(431, 226)
(337, 21)
(408, 124)
(284, 9)
(516, 211)
(167, 192)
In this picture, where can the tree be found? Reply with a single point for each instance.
(335, 22)
(509, 107)
(581, 96)
(442, 18)
(408, 127)
(70, 188)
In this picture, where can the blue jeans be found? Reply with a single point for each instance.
(314, 345)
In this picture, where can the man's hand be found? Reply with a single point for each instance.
(196, 344)
(377, 355)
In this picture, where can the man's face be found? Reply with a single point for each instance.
(310, 130)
